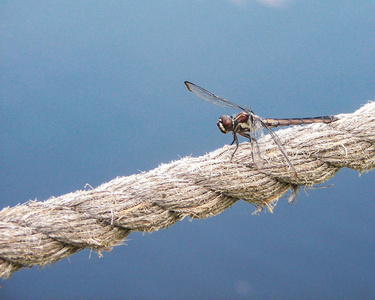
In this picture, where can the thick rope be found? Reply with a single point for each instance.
(40, 233)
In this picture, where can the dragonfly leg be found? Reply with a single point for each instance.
(255, 151)
(235, 139)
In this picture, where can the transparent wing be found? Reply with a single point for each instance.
(278, 143)
(210, 97)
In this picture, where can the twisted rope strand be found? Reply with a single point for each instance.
(40, 233)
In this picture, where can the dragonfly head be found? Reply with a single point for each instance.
(225, 124)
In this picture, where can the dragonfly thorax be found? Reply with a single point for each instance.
(241, 123)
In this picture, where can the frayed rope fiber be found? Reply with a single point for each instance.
(40, 233)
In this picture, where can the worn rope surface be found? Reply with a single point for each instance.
(39, 233)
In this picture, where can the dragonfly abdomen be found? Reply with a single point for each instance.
(299, 121)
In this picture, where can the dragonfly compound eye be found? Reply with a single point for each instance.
(225, 124)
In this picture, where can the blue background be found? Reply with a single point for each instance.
(91, 90)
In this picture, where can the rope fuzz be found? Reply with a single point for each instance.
(40, 233)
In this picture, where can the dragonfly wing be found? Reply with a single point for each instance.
(278, 143)
(255, 153)
(210, 97)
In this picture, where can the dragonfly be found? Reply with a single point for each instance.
(248, 124)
